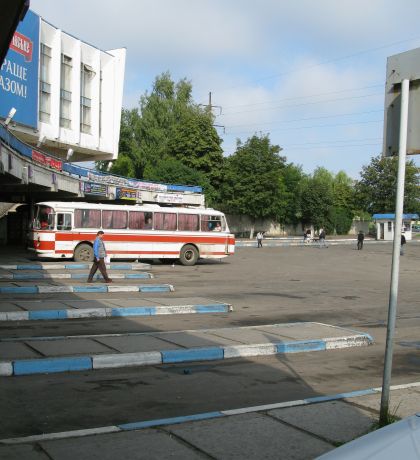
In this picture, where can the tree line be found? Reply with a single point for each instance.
(170, 138)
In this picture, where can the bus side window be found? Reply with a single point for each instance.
(63, 221)
(139, 220)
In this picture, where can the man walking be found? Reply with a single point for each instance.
(360, 239)
(260, 236)
(99, 254)
(403, 241)
(321, 237)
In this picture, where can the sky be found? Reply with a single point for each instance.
(310, 75)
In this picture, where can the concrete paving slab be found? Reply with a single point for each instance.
(9, 306)
(68, 347)
(94, 303)
(242, 437)
(22, 452)
(402, 403)
(300, 331)
(335, 421)
(132, 344)
(42, 305)
(16, 350)
(192, 339)
(248, 336)
(132, 303)
(136, 445)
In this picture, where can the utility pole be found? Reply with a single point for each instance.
(210, 107)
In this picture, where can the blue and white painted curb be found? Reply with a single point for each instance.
(92, 362)
(198, 417)
(41, 289)
(74, 266)
(108, 312)
(74, 276)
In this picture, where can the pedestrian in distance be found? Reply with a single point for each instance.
(322, 243)
(99, 254)
(260, 236)
(360, 239)
(403, 241)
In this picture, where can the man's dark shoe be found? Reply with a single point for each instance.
(89, 281)
(109, 280)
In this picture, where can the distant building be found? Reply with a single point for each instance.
(385, 224)
(67, 93)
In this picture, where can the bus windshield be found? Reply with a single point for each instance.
(44, 218)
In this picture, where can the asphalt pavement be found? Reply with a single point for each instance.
(298, 429)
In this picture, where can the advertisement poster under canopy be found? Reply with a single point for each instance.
(19, 73)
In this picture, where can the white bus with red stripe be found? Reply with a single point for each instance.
(67, 230)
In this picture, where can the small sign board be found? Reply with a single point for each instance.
(399, 67)
(126, 193)
(90, 188)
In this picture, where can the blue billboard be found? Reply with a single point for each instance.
(19, 73)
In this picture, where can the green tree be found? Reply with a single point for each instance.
(342, 212)
(251, 179)
(317, 198)
(375, 191)
(168, 127)
(290, 194)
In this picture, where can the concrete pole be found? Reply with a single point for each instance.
(393, 292)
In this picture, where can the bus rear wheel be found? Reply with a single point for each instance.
(83, 253)
(188, 255)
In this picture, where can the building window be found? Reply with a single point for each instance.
(65, 92)
(86, 75)
(45, 84)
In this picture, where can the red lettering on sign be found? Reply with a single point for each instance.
(22, 45)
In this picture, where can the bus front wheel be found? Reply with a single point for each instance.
(83, 253)
(188, 255)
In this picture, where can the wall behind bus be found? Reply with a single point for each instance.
(242, 225)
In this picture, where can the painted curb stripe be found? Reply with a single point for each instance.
(111, 266)
(132, 276)
(51, 365)
(301, 346)
(156, 288)
(192, 354)
(133, 311)
(47, 314)
(29, 267)
(19, 290)
(33, 366)
(28, 276)
(90, 288)
(6, 369)
(46, 289)
(49, 276)
(103, 312)
(170, 421)
(145, 358)
(215, 308)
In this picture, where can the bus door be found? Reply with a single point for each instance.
(64, 235)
